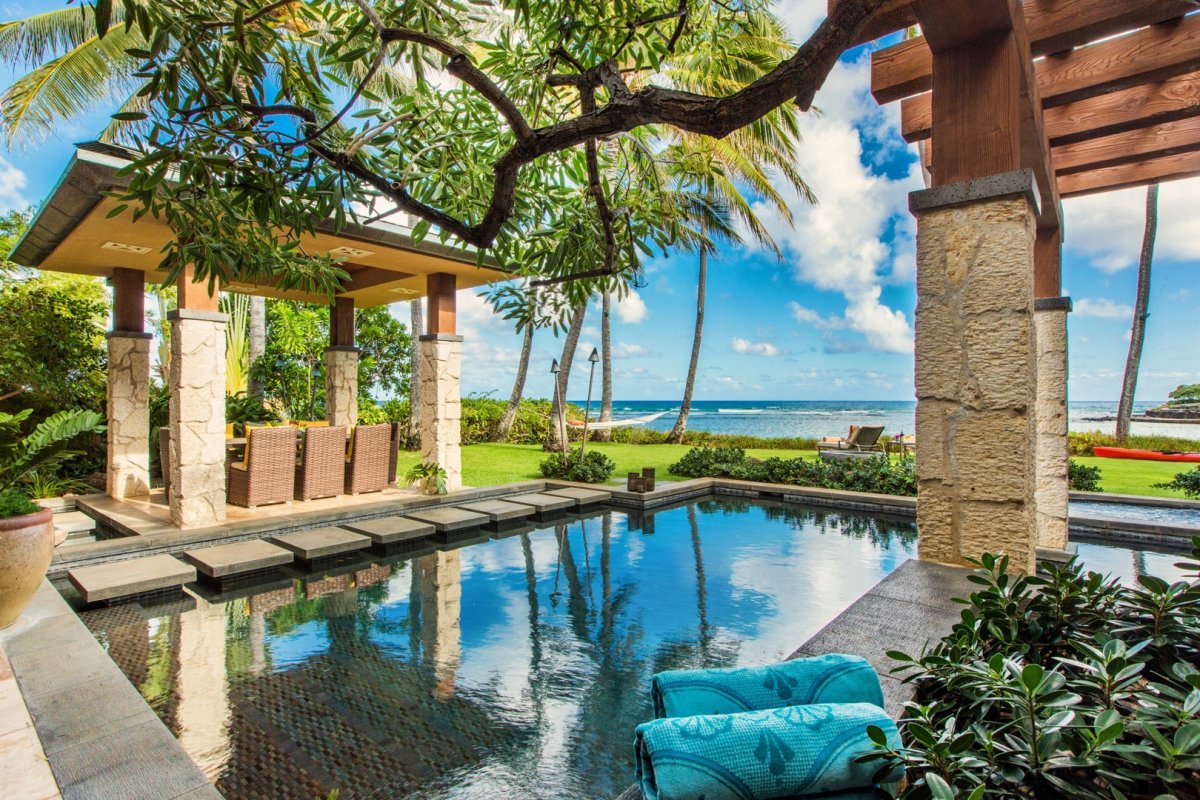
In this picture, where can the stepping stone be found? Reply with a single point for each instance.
(391, 530)
(71, 522)
(499, 512)
(448, 519)
(126, 578)
(543, 503)
(322, 542)
(582, 497)
(239, 558)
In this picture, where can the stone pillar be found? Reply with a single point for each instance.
(341, 385)
(128, 467)
(976, 373)
(441, 404)
(1053, 480)
(197, 451)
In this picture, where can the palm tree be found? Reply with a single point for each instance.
(1140, 313)
(258, 340)
(417, 323)
(558, 437)
(514, 400)
(606, 376)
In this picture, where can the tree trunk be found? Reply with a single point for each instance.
(514, 400)
(1140, 313)
(677, 432)
(558, 436)
(606, 382)
(258, 341)
(417, 327)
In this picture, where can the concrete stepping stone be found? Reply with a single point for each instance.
(448, 519)
(226, 561)
(322, 542)
(582, 497)
(136, 576)
(73, 522)
(543, 503)
(391, 530)
(500, 512)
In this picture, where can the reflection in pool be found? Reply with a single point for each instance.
(511, 667)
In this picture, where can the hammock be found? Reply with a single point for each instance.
(616, 423)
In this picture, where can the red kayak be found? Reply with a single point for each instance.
(1146, 455)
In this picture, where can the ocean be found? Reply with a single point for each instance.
(816, 418)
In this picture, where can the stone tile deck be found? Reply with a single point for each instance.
(126, 578)
(22, 760)
(448, 519)
(391, 530)
(543, 503)
(322, 543)
(239, 558)
(582, 497)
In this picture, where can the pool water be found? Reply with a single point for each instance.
(512, 667)
(1154, 515)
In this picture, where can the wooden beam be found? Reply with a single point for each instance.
(195, 296)
(370, 277)
(948, 24)
(1035, 146)
(341, 322)
(129, 300)
(1047, 263)
(1171, 138)
(1137, 107)
(1142, 173)
(442, 312)
(1152, 54)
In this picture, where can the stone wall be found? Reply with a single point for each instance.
(1053, 453)
(197, 425)
(128, 466)
(976, 379)
(341, 386)
(441, 404)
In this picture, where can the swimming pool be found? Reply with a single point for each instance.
(514, 666)
(1155, 515)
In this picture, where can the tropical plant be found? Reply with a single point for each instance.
(429, 472)
(43, 449)
(1083, 478)
(590, 467)
(1186, 482)
(876, 475)
(241, 408)
(1141, 311)
(236, 308)
(1184, 394)
(12, 226)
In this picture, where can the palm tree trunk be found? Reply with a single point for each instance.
(606, 382)
(558, 436)
(676, 435)
(416, 328)
(258, 340)
(514, 400)
(1140, 313)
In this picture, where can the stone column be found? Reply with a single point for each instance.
(197, 451)
(976, 373)
(341, 385)
(1053, 481)
(128, 465)
(441, 404)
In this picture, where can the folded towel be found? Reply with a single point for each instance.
(783, 752)
(801, 681)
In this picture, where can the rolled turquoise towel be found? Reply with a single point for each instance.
(758, 755)
(801, 681)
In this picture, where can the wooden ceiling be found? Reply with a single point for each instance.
(1111, 87)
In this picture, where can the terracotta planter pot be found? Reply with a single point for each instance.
(26, 545)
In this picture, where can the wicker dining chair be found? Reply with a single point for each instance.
(367, 458)
(164, 459)
(394, 451)
(321, 472)
(267, 474)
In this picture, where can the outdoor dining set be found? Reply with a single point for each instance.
(304, 461)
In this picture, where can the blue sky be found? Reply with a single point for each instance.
(833, 320)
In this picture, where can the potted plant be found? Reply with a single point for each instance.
(429, 477)
(26, 529)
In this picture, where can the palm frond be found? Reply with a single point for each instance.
(32, 40)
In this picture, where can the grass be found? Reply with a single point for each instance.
(492, 464)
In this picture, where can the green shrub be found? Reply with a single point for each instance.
(241, 408)
(876, 475)
(710, 462)
(1083, 478)
(1186, 482)
(14, 503)
(593, 467)
(1062, 686)
(1082, 443)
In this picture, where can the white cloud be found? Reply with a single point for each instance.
(631, 350)
(838, 244)
(747, 347)
(1102, 308)
(632, 308)
(12, 183)
(1107, 229)
(800, 17)
(807, 316)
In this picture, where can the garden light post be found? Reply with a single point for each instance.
(593, 358)
(562, 428)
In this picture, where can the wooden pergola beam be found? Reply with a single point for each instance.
(1162, 51)
(1129, 109)
(1168, 139)
(1142, 173)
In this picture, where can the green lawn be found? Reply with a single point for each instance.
(491, 464)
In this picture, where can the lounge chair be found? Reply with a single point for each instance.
(367, 458)
(863, 439)
(267, 473)
(322, 468)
